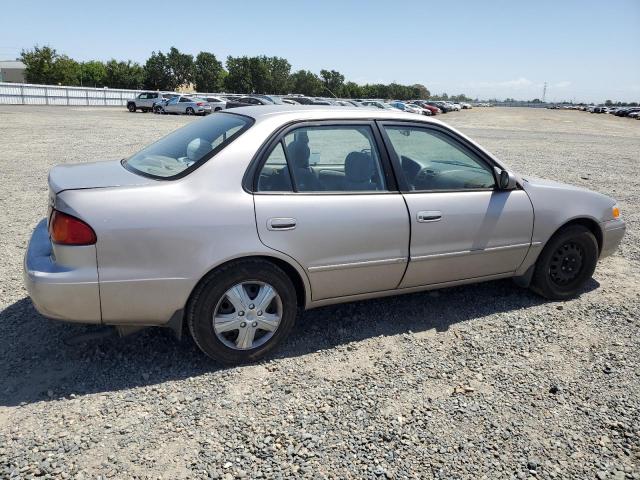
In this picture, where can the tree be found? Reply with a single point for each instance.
(123, 74)
(157, 75)
(92, 73)
(208, 73)
(352, 90)
(306, 83)
(608, 103)
(279, 70)
(39, 64)
(66, 71)
(239, 75)
(422, 92)
(181, 68)
(332, 81)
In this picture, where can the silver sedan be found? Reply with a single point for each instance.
(234, 223)
(183, 104)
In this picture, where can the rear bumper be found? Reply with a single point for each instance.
(612, 233)
(69, 291)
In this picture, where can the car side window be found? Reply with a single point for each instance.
(185, 100)
(433, 161)
(275, 176)
(142, 96)
(341, 158)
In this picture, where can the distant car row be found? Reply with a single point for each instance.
(187, 104)
(631, 112)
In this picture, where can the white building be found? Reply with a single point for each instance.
(12, 71)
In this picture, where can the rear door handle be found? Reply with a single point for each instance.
(426, 216)
(281, 224)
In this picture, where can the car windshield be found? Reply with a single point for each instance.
(188, 147)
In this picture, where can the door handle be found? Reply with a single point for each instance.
(281, 224)
(426, 216)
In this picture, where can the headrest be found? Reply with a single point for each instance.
(299, 154)
(198, 148)
(358, 167)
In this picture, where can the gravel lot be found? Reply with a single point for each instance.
(485, 381)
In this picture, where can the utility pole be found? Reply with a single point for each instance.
(544, 93)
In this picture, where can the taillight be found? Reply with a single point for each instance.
(67, 230)
(200, 104)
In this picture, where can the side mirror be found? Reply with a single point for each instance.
(507, 180)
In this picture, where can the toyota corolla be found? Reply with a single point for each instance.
(234, 223)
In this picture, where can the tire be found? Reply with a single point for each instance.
(158, 110)
(190, 111)
(566, 263)
(131, 107)
(217, 109)
(210, 304)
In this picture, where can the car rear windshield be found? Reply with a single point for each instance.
(188, 147)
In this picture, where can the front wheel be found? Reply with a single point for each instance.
(566, 263)
(131, 107)
(242, 311)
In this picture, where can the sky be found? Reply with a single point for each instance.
(585, 50)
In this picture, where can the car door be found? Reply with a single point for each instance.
(462, 226)
(325, 196)
(172, 105)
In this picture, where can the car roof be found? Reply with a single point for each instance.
(289, 113)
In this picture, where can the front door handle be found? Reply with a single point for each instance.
(426, 216)
(281, 224)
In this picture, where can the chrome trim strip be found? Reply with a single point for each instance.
(420, 258)
(368, 263)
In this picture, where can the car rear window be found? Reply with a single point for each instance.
(185, 149)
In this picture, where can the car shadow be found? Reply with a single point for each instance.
(39, 363)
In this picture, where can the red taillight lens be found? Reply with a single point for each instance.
(200, 104)
(67, 230)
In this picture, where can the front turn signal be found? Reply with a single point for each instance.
(615, 211)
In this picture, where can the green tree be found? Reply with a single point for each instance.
(123, 74)
(39, 64)
(208, 73)
(608, 103)
(239, 75)
(66, 71)
(279, 70)
(352, 90)
(92, 73)
(332, 81)
(181, 68)
(421, 91)
(157, 75)
(306, 83)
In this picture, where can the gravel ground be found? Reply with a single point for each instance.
(485, 381)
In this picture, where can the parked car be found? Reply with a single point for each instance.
(144, 101)
(377, 104)
(207, 226)
(301, 100)
(466, 106)
(624, 112)
(443, 106)
(183, 104)
(248, 100)
(431, 108)
(600, 109)
(215, 103)
(406, 107)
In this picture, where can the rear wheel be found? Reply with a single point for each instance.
(566, 263)
(131, 107)
(190, 111)
(242, 311)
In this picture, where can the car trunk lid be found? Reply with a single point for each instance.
(93, 175)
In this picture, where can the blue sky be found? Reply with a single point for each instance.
(585, 50)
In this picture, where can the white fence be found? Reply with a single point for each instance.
(29, 94)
